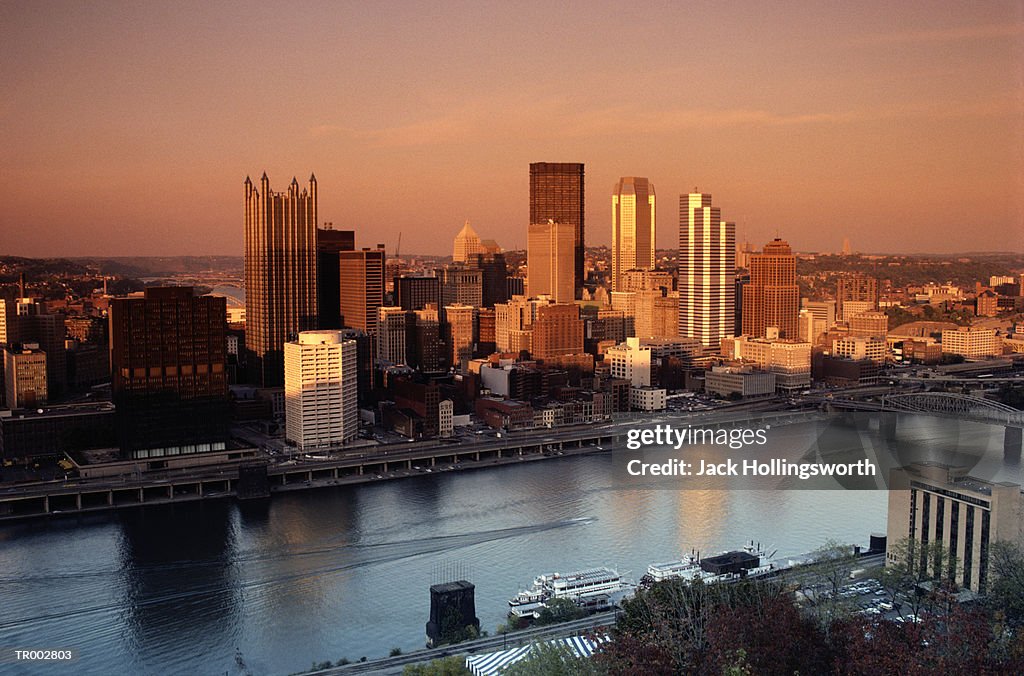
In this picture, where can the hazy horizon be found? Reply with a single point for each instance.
(129, 130)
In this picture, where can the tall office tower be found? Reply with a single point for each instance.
(557, 194)
(362, 287)
(320, 390)
(467, 244)
(424, 346)
(392, 331)
(557, 331)
(549, 261)
(24, 376)
(742, 279)
(494, 277)
(633, 228)
(168, 357)
(415, 293)
(857, 287)
(8, 322)
(365, 350)
(461, 285)
(772, 298)
(707, 271)
(280, 274)
(329, 243)
(460, 334)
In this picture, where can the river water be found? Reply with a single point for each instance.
(344, 571)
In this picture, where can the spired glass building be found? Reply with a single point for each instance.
(707, 271)
(280, 274)
(556, 194)
(633, 228)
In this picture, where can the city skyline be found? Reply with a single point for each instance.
(902, 136)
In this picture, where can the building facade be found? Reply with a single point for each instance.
(557, 194)
(280, 273)
(772, 298)
(362, 287)
(633, 228)
(550, 250)
(320, 390)
(707, 272)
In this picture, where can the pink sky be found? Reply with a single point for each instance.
(129, 129)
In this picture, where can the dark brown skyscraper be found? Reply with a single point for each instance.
(362, 287)
(329, 243)
(280, 274)
(772, 298)
(168, 359)
(556, 194)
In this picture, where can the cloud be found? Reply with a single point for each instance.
(951, 34)
(496, 120)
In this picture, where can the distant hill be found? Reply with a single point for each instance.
(159, 266)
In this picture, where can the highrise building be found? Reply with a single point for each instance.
(329, 243)
(633, 228)
(392, 330)
(707, 258)
(320, 390)
(362, 287)
(280, 273)
(24, 376)
(856, 287)
(33, 324)
(657, 314)
(557, 331)
(467, 244)
(772, 298)
(415, 293)
(646, 280)
(461, 285)
(461, 333)
(512, 319)
(168, 357)
(549, 256)
(494, 277)
(424, 347)
(557, 194)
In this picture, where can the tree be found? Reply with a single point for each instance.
(1006, 582)
(822, 579)
(559, 610)
(909, 564)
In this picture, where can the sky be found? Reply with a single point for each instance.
(129, 129)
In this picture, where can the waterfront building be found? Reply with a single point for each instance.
(320, 390)
(168, 358)
(936, 503)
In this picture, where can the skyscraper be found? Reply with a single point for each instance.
(772, 298)
(280, 273)
(557, 194)
(467, 243)
(168, 357)
(329, 243)
(707, 272)
(856, 287)
(549, 261)
(633, 228)
(320, 390)
(362, 287)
